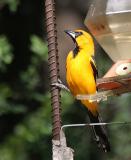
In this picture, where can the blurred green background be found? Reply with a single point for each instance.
(25, 110)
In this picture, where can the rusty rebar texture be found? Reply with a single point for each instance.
(53, 66)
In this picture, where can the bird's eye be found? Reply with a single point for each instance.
(123, 69)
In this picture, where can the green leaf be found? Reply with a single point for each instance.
(13, 4)
(39, 47)
(6, 55)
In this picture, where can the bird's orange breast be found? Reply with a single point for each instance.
(80, 78)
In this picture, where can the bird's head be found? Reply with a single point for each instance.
(81, 38)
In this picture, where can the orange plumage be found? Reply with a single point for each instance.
(81, 74)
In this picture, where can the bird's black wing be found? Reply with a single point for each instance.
(93, 65)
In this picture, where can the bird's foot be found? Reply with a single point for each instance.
(60, 85)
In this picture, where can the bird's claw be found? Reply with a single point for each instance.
(60, 85)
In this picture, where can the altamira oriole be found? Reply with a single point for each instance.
(81, 73)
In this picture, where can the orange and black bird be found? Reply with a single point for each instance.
(81, 73)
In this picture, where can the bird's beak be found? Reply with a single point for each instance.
(71, 34)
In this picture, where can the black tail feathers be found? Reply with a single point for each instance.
(99, 133)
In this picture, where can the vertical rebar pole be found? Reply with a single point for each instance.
(53, 65)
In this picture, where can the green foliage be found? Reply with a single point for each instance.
(122, 133)
(6, 55)
(103, 61)
(5, 105)
(67, 101)
(31, 76)
(38, 47)
(35, 125)
(13, 4)
(32, 130)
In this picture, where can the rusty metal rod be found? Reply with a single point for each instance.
(53, 66)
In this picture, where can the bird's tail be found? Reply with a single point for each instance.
(99, 133)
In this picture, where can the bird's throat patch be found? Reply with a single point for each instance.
(75, 51)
